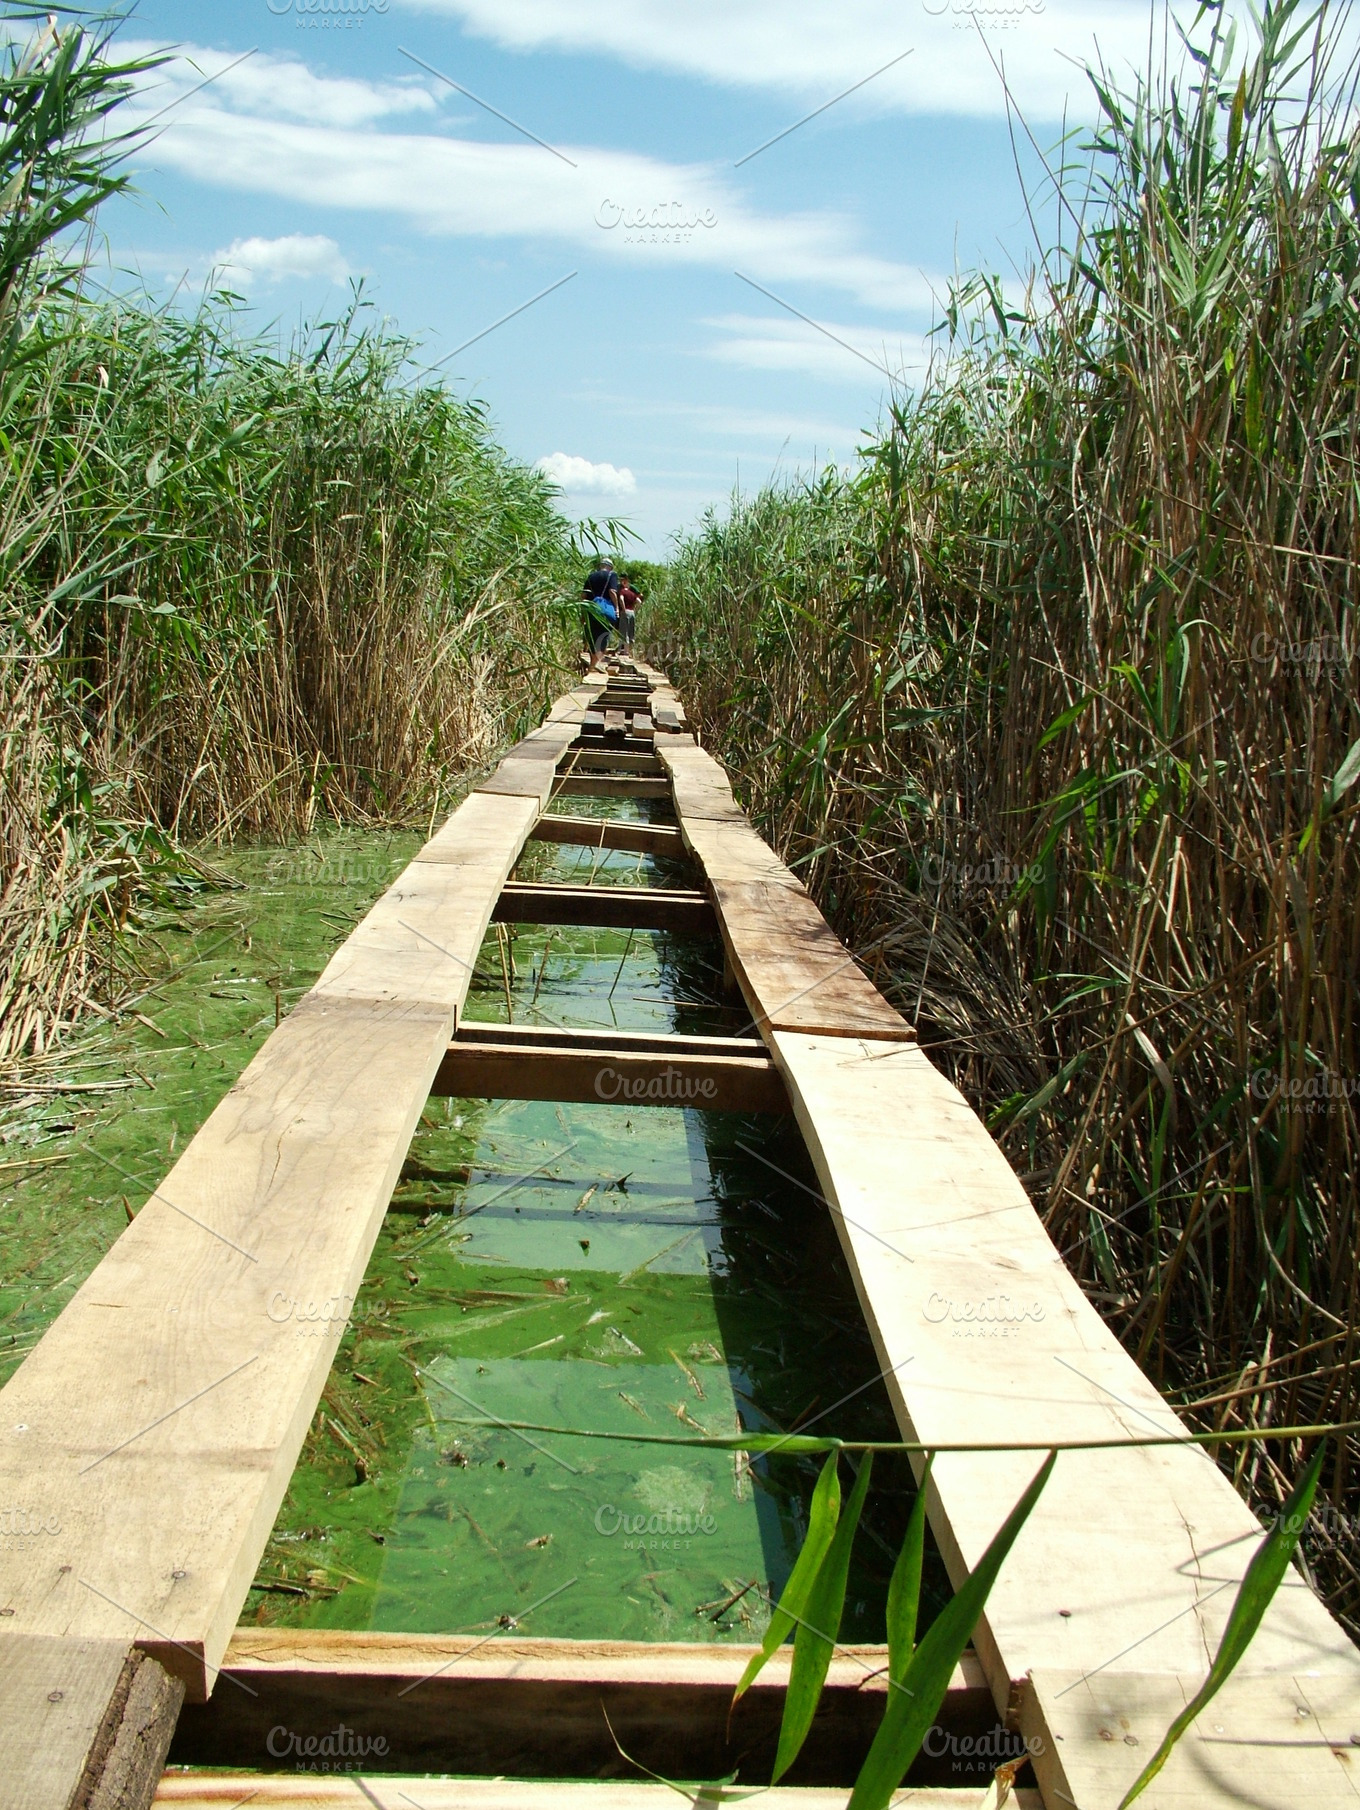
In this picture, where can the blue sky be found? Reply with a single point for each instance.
(655, 377)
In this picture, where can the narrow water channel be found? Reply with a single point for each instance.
(656, 1270)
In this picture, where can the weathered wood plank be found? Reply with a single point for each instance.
(604, 832)
(55, 1716)
(793, 971)
(610, 760)
(505, 1069)
(514, 1705)
(285, 1791)
(599, 785)
(984, 1335)
(1272, 1743)
(175, 1386)
(610, 907)
(126, 1767)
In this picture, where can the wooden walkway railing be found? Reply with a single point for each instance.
(157, 1423)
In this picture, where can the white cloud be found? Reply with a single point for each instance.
(448, 185)
(248, 262)
(810, 50)
(582, 478)
(779, 343)
(276, 87)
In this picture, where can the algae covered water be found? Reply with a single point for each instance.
(661, 1270)
(656, 1270)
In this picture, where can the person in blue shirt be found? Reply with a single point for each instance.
(599, 609)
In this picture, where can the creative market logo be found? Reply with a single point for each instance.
(664, 223)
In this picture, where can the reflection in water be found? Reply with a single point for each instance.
(595, 1268)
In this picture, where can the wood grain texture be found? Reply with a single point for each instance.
(618, 907)
(985, 1336)
(793, 970)
(599, 785)
(55, 1716)
(538, 1707)
(506, 1070)
(158, 1420)
(130, 1769)
(604, 832)
(282, 1791)
(1281, 1743)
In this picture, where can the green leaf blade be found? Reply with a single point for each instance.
(823, 1515)
(904, 1587)
(914, 1702)
(815, 1640)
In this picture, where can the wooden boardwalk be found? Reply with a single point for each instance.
(157, 1423)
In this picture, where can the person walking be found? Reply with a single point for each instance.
(599, 609)
(629, 599)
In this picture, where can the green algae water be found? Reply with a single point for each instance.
(662, 1270)
(657, 1270)
(85, 1139)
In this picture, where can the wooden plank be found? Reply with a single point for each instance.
(158, 1420)
(1275, 1743)
(55, 1700)
(612, 760)
(507, 1069)
(604, 832)
(615, 722)
(615, 907)
(985, 1336)
(630, 744)
(125, 1768)
(535, 1706)
(537, 1036)
(523, 776)
(793, 971)
(358, 1791)
(598, 785)
(643, 727)
(701, 788)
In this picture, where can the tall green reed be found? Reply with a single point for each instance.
(239, 586)
(1056, 693)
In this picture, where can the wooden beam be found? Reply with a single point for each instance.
(503, 1062)
(630, 744)
(316, 1791)
(1135, 1550)
(614, 760)
(793, 970)
(1276, 1743)
(84, 1724)
(611, 907)
(598, 785)
(604, 832)
(538, 1707)
(157, 1423)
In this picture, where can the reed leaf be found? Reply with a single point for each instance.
(914, 1702)
(823, 1515)
(818, 1627)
